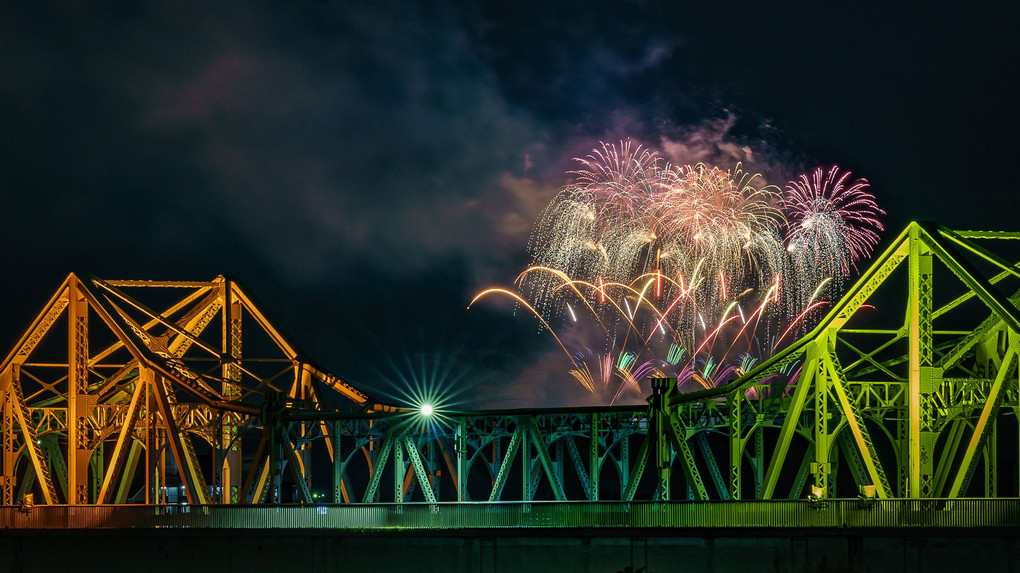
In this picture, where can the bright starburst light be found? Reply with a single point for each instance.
(428, 386)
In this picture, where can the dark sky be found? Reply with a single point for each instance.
(365, 168)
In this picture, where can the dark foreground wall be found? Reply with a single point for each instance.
(252, 551)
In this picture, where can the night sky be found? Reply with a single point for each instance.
(365, 168)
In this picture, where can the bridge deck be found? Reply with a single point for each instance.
(844, 514)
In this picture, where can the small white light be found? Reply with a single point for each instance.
(426, 409)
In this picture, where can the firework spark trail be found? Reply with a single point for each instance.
(797, 320)
(753, 322)
(572, 284)
(524, 303)
(653, 250)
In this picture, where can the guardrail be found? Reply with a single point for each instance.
(960, 513)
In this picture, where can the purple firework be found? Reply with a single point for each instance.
(832, 223)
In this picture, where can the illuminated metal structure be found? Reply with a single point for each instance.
(910, 410)
(102, 396)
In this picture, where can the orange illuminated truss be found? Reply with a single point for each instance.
(102, 382)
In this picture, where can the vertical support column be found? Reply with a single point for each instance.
(658, 437)
(150, 441)
(495, 464)
(921, 379)
(736, 442)
(230, 446)
(303, 446)
(820, 467)
(903, 444)
(273, 430)
(759, 461)
(398, 471)
(162, 446)
(624, 463)
(525, 423)
(833, 469)
(435, 470)
(9, 479)
(593, 458)
(79, 403)
(460, 447)
(558, 464)
(338, 458)
(275, 465)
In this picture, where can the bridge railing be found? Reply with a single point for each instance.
(848, 514)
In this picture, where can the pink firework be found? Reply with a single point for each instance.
(617, 182)
(832, 223)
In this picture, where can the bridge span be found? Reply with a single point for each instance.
(172, 405)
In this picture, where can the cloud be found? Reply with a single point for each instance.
(398, 153)
(221, 87)
(708, 142)
(614, 63)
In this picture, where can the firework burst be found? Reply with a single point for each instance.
(719, 225)
(596, 226)
(687, 263)
(833, 224)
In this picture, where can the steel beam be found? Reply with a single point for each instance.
(982, 426)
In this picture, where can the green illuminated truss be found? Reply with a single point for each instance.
(912, 410)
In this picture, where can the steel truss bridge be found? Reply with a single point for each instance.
(149, 392)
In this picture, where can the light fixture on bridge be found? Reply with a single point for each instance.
(816, 497)
(426, 410)
(866, 496)
(27, 503)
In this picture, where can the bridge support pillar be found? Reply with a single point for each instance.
(230, 468)
(735, 431)
(460, 447)
(658, 426)
(922, 379)
(79, 403)
(7, 480)
(820, 467)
